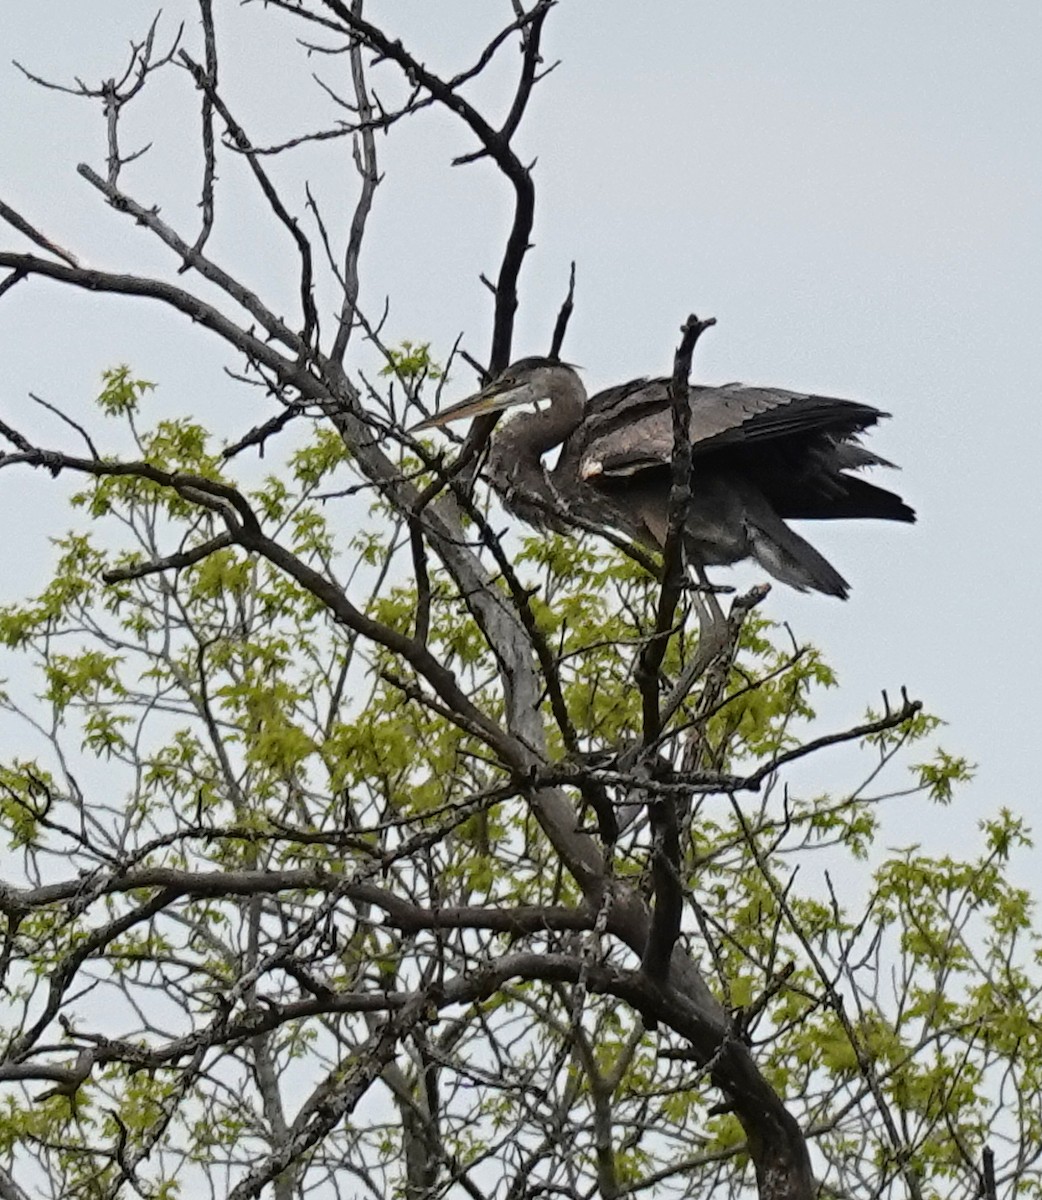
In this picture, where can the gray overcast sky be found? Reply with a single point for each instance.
(854, 191)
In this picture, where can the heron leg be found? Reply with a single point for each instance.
(711, 617)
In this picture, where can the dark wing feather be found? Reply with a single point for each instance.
(824, 497)
(630, 428)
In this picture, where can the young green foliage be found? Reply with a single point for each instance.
(215, 721)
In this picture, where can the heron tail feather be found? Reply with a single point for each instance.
(788, 557)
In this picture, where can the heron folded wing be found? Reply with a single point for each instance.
(769, 413)
(629, 429)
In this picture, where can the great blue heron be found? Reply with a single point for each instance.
(759, 455)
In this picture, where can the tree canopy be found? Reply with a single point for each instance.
(360, 844)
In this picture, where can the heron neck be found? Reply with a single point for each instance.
(531, 434)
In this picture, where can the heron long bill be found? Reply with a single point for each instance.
(504, 392)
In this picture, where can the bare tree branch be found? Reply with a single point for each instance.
(673, 554)
(563, 317)
(17, 221)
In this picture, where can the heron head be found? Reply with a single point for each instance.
(526, 381)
